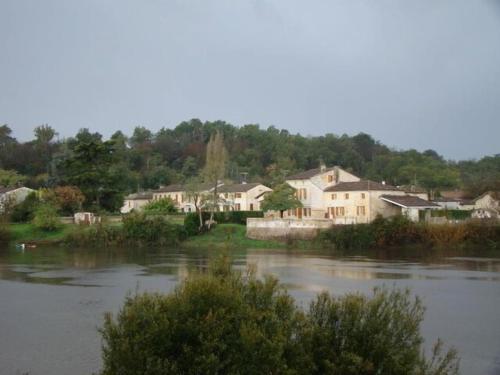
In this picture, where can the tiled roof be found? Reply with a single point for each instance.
(408, 201)
(140, 196)
(362, 185)
(179, 187)
(238, 188)
(455, 194)
(493, 194)
(441, 199)
(4, 190)
(308, 174)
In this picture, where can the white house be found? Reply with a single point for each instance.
(242, 197)
(136, 201)
(13, 195)
(310, 186)
(237, 197)
(362, 201)
(178, 194)
(487, 205)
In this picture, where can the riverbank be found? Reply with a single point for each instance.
(28, 233)
(229, 236)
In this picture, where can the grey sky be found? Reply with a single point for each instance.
(414, 74)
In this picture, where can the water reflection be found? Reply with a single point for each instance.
(69, 290)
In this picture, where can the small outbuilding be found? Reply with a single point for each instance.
(415, 208)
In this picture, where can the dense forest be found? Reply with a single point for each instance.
(107, 169)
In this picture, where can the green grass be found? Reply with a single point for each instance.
(229, 236)
(28, 233)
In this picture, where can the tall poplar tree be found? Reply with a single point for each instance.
(215, 167)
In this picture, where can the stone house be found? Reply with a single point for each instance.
(237, 197)
(310, 186)
(487, 205)
(13, 195)
(242, 197)
(362, 201)
(136, 201)
(179, 196)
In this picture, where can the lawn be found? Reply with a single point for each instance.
(229, 236)
(28, 233)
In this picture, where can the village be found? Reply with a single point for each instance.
(328, 196)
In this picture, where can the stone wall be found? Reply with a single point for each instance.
(283, 229)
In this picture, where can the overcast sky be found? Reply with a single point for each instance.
(414, 74)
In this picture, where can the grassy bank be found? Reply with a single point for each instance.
(229, 235)
(27, 232)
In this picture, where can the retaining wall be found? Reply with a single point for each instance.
(283, 229)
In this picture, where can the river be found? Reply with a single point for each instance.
(52, 300)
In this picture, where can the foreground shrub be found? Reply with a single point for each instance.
(46, 218)
(140, 228)
(224, 322)
(358, 335)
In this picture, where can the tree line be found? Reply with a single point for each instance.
(107, 169)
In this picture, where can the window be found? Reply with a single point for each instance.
(334, 196)
(339, 211)
(237, 207)
(330, 211)
(225, 195)
(362, 195)
(302, 194)
(251, 206)
(330, 178)
(346, 195)
(360, 210)
(237, 195)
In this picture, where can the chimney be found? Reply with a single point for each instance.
(244, 177)
(322, 166)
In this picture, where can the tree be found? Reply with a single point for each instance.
(195, 195)
(44, 134)
(282, 198)
(69, 199)
(46, 217)
(11, 178)
(90, 165)
(215, 167)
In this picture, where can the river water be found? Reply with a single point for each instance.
(52, 301)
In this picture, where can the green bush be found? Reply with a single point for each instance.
(236, 217)
(161, 206)
(140, 228)
(101, 234)
(399, 231)
(46, 218)
(192, 222)
(224, 322)
(24, 212)
(452, 214)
